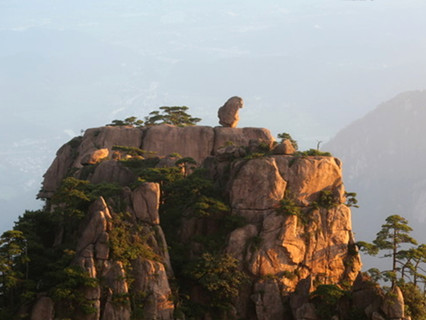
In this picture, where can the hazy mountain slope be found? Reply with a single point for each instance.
(383, 155)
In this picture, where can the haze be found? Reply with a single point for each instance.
(304, 67)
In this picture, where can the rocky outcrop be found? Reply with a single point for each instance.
(59, 168)
(239, 137)
(228, 113)
(167, 139)
(79, 156)
(290, 247)
(144, 281)
(43, 309)
(105, 138)
(285, 147)
(393, 306)
(110, 171)
(95, 157)
(256, 185)
(296, 231)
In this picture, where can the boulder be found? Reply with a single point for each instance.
(307, 176)
(228, 113)
(230, 152)
(239, 136)
(366, 295)
(96, 226)
(102, 247)
(111, 171)
(44, 309)
(238, 240)
(105, 138)
(267, 299)
(115, 311)
(114, 276)
(146, 201)
(191, 141)
(256, 184)
(307, 312)
(393, 305)
(150, 279)
(285, 147)
(301, 294)
(278, 253)
(95, 157)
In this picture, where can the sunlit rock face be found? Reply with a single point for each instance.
(96, 146)
(228, 113)
(289, 248)
(297, 228)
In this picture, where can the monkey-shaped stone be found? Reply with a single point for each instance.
(228, 113)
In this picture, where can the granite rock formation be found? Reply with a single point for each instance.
(228, 113)
(296, 232)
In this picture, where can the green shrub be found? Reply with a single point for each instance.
(68, 292)
(289, 207)
(314, 152)
(351, 200)
(326, 200)
(255, 155)
(254, 243)
(220, 276)
(415, 301)
(130, 121)
(326, 298)
(286, 136)
(175, 115)
(128, 240)
(132, 151)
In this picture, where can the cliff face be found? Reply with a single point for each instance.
(293, 231)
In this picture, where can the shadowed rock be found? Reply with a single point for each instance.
(228, 113)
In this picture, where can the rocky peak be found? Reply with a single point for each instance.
(96, 146)
(252, 235)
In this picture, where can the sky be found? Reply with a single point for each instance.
(307, 67)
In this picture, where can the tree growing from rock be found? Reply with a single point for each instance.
(394, 233)
(414, 258)
(286, 136)
(130, 121)
(393, 238)
(176, 115)
(12, 256)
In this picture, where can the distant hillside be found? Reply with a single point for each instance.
(384, 162)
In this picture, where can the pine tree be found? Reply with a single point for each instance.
(394, 233)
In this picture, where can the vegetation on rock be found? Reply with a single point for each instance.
(176, 115)
(180, 235)
(286, 136)
(130, 121)
(406, 262)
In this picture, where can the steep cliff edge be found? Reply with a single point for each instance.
(246, 231)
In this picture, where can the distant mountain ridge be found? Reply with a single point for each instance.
(383, 155)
